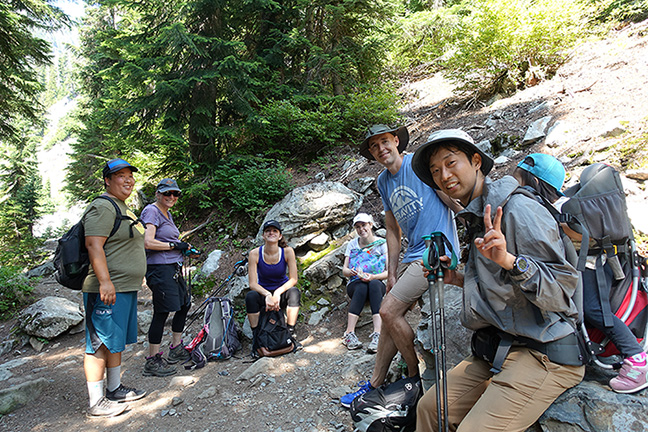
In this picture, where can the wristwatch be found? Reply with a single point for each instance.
(172, 245)
(520, 265)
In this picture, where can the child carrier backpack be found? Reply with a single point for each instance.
(598, 207)
(218, 337)
(71, 259)
(390, 407)
(272, 337)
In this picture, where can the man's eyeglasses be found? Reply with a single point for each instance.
(169, 193)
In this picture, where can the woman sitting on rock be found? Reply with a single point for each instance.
(272, 274)
(365, 264)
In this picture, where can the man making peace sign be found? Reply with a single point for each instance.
(518, 288)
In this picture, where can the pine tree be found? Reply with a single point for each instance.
(20, 53)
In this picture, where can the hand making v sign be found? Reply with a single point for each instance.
(493, 244)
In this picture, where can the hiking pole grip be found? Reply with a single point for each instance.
(435, 244)
(440, 242)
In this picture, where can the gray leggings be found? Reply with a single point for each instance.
(619, 333)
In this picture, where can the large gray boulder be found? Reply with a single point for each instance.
(312, 209)
(593, 407)
(42, 270)
(321, 270)
(19, 395)
(49, 317)
(457, 336)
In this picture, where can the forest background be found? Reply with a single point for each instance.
(235, 98)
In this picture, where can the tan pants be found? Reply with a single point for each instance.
(509, 401)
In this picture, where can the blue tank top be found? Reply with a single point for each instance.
(272, 276)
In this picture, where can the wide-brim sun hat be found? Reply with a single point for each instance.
(421, 159)
(400, 132)
(166, 185)
(114, 165)
(545, 167)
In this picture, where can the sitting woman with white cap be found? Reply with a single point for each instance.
(365, 264)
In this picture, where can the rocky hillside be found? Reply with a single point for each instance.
(594, 109)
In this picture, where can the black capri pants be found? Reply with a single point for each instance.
(255, 302)
(170, 294)
(359, 292)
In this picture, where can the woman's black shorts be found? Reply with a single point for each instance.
(168, 286)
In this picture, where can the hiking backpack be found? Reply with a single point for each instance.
(71, 259)
(390, 407)
(597, 204)
(272, 337)
(218, 337)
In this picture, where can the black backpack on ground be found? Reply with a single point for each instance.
(272, 337)
(71, 259)
(390, 407)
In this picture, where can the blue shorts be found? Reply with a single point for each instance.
(113, 326)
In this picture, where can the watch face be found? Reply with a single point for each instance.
(522, 264)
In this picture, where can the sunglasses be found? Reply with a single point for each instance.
(169, 193)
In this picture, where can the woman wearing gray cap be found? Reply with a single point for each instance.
(272, 274)
(164, 257)
(114, 237)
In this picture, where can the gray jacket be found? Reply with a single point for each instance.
(523, 305)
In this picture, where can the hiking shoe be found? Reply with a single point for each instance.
(631, 378)
(125, 394)
(346, 400)
(373, 345)
(106, 408)
(351, 341)
(158, 366)
(178, 353)
(298, 345)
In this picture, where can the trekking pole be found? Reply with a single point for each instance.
(436, 248)
(217, 290)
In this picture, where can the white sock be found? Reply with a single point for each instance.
(113, 378)
(95, 391)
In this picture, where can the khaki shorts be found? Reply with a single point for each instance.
(411, 283)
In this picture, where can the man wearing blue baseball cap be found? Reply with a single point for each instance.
(114, 238)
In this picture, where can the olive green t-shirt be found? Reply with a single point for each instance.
(125, 255)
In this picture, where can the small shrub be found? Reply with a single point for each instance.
(304, 125)
(251, 183)
(15, 290)
(499, 40)
(622, 10)
(488, 46)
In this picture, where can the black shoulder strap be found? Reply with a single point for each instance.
(577, 260)
(119, 217)
(574, 259)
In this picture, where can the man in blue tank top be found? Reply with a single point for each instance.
(412, 210)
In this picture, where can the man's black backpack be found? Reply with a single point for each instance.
(71, 259)
(272, 337)
(390, 407)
